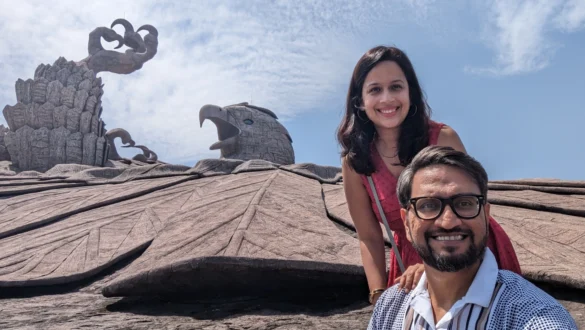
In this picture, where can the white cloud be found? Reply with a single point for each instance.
(287, 56)
(519, 32)
(572, 16)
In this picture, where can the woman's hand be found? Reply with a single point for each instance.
(410, 278)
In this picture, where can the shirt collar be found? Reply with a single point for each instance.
(481, 290)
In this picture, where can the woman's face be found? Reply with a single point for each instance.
(385, 95)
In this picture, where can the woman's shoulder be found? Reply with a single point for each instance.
(444, 135)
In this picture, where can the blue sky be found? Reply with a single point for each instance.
(508, 76)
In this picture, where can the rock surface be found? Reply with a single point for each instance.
(227, 244)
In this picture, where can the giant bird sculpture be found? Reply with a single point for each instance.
(230, 243)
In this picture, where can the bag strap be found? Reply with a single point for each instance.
(388, 231)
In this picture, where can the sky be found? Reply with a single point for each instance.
(507, 75)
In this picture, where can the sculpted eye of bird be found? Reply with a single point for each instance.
(248, 121)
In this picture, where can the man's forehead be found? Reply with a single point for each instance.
(443, 179)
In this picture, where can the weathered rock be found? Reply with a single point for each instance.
(22, 140)
(80, 99)
(54, 92)
(96, 91)
(89, 75)
(40, 71)
(95, 125)
(60, 62)
(88, 149)
(32, 116)
(63, 76)
(68, 96)
(90, 104)
(73, 119)
(325, 174)
(98, 108)
(74, 79)
(100, 151)
(39, 90)
(24, 91)
(15, 116)
(40, 150)
(57, 146)
(97, 83)
(4, 155)
(337, 210)
(85, 122)
(51, 73)
(45, 115)
(73, 148)
(60, 116)
(85, 85)
(12, 146)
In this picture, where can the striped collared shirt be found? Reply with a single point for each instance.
(496, 299)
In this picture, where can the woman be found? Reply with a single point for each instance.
(387, 122)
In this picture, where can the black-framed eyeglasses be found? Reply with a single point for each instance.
(464, 206)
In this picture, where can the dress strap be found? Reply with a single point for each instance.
(388, 231)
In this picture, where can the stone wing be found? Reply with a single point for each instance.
(243, 234)
(64, 235)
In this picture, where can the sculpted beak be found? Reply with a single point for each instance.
(226, 132)
(210, 111)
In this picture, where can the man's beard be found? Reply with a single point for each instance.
(450, 263)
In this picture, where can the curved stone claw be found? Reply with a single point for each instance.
(141, 49)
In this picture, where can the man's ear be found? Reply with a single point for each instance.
(404, 216)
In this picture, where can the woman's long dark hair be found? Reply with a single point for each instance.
(356, 133)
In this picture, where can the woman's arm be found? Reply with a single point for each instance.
(367, 227)
(449, 138)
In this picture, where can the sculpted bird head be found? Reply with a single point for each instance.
(249, 132)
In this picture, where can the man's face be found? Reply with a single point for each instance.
(448, 243)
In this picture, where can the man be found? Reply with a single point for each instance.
(443, 195)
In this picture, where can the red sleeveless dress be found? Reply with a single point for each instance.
(385, 183)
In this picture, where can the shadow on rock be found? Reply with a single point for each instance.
(97, 280)
(322, 303)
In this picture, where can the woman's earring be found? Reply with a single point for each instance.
(360, 117)
(415, 110)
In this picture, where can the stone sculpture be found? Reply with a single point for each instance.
(147, 156)
(249, 132)
(245, 232)
(141, 50)
(57, 117)
(4, 155)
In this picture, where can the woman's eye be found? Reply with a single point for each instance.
(396, 87)
(374, 90)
